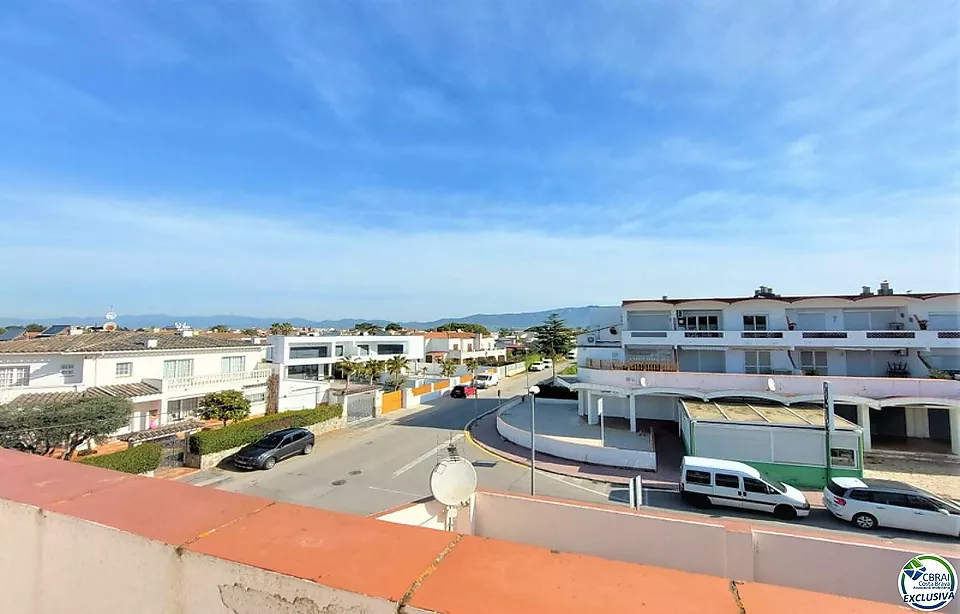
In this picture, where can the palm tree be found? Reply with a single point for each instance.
(281, 328)
(374, 369)
(348, 366)
(220, 328)
(395, 367)
(447, 367)
(472, 364)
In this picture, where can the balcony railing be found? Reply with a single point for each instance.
(630, 365)
(198, 381)
(788, 339)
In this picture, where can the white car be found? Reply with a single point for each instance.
(870, 503)
(712, 481)
(487, 380)
(537, 366)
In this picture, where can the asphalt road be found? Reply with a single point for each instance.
(386, 462)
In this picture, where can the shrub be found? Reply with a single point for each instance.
(550, 391)
(248, 431)
(138, 459)
(571, 370)
(938, 374)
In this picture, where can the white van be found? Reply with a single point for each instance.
(706, 481)
(487, 380)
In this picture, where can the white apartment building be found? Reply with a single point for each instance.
(163, 375)
(462, 346)
(313, 358)
(879, 349)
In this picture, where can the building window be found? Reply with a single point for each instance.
(757, 362)
(311, 372)
(363, 349)
(11, 377)
(842, 457)
(67, 370)
(231, 364)
(255, 397)
(390, 348)
(309, 351)
(813, 362)
(338, 351)
(182, 408)
(699, 322)
(177, 368)
(124, 369)
(755, 322)
(456, 346)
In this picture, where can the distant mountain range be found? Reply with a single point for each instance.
(574, 317)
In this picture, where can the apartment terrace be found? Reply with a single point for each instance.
(90, 540)
(789, 339)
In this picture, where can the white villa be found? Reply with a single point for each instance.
(462, 346)
(313, 358)
(163, 374)
(878, 350)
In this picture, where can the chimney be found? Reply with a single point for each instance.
(151, 343)
(866, 291)
(75, 330)
(186, 332)
(885, 289)
(664, 297)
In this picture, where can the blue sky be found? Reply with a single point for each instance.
(419, 159)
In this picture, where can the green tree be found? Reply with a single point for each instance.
(281, 328)
(472, 364)
(220, 328)
(464, 326)
(250, 332)
(225, 405)
(368, 327)
(43, 429)
(392, 326)
(374, 369)
(35, 328)
(2, 330)
(554, 339)
(504, 332)
(348, 366)
(395, 367)
(447, 367)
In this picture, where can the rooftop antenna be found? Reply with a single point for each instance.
(452, 482)
(110, 325)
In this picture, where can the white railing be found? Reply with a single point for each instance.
(198, 381)
(867, 339)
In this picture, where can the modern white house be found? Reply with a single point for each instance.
(462, 346)
(313, 358)
(164, 375)
(878, 350)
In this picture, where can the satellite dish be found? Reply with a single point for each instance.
(110, 326)
(110, 315)
(453, 481)
(771, 385)
(643, 382)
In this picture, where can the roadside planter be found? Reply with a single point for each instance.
(209, 448)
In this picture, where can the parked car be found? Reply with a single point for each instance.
(462, 392)
(276, 446)
(537, 366)
(487, 380)
(706, 481)
(870, 503)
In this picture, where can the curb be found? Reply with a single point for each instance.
(492, 452)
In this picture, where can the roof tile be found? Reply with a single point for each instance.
(116, 341)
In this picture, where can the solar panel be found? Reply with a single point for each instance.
(56, 329)
(12, 333)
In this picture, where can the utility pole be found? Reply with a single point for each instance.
(827, 425)
(533, 439)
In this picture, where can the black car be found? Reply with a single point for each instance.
(462, 392)
(276, 446)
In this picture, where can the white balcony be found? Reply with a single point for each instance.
(790, 339)
(216, 381)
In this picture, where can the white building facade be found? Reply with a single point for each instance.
(163, 375)
(313, 358)
(879, 349)
(462, 346)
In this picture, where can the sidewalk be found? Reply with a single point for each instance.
(484, 434)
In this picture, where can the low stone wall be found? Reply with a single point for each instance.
(208, 461)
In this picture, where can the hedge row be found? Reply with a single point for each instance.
(550, 391)
(138, 459)
(248, 431)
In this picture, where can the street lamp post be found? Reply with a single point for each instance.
(534, 390)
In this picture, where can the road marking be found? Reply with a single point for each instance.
(398, 492)
(431, 452)
(559, 479)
